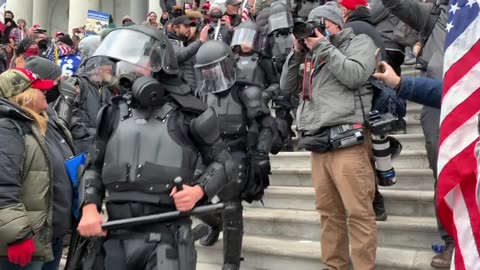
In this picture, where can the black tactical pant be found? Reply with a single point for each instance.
(231, 218)
(165, 250)
(430, 119)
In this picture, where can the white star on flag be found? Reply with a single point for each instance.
(449, 26)
(471, 2)
(454, 8)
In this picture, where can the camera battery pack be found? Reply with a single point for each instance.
(344, 136)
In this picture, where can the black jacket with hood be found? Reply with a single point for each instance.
(360, 22)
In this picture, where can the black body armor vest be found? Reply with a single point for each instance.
(146, 151)
(230, 111)
(250, 72)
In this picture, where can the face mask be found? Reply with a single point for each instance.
(52, 94)
(327, 34)
(31, 52)
(43, 44)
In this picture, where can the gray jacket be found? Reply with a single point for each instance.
(349, 61)
(186, 58)
(420, 17)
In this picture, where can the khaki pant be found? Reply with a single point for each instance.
(344, 191)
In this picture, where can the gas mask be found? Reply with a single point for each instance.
(147, 92)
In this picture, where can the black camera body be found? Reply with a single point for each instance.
(382, 124)
(303, 30)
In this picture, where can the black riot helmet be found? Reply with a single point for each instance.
(217, 67)
(245, 35)
(280, 20)
(130, 58)
(140, 45)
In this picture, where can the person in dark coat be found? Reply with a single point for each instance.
(185, 52)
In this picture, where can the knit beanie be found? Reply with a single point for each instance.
(330, 11)
(352, 4)
(44, 68)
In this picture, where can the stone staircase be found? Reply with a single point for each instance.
(284, 233)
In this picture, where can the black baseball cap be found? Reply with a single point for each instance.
(183, 20)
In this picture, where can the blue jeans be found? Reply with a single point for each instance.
(6, 265)
(57, 248)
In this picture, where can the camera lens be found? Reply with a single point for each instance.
(300, 30)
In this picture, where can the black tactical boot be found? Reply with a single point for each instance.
(211, 238)
(379, 207)
(229, 266)
(443, 259)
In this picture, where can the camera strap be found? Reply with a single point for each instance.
(307, 77)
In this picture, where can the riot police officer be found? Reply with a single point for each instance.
(153, 133)
(254, 66)
(280, 26)
(250, 133)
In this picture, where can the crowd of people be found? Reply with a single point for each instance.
(192, 97)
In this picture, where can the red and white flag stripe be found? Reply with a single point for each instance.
(457, 204)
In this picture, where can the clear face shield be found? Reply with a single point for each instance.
(216, 77)
(132, 47)
(244, 37)
(108, 72)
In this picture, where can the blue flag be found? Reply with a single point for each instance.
(72, 165)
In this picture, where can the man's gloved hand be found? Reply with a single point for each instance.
(68, 89)
(261, 162)
(21, 253)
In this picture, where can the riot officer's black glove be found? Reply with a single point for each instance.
(68, 89)
(261, 163)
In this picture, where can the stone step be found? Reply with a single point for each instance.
(407, 203)
(212, 266)
(407, 179)
(407, 232)
(261, 252)
(414, 126)
(408, 159)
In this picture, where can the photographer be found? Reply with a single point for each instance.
(334, 101)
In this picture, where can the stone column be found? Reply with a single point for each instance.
(77, 14)
(41, 13)
(154, 5)
(22, 9)
(139, 10)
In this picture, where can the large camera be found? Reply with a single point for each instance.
(302, 29)
(382, 124)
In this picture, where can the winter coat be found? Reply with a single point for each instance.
(422, 90)
(185, 57)
(26, 182)
(359, 20)
(341, 69)
(421, 17)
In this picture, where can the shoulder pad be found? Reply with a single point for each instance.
(206, 127)
(104, 121)
(189, 103)
(253, 93)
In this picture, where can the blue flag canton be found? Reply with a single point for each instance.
(461, 13)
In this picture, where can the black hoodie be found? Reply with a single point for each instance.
(8, 29)
(360, 21)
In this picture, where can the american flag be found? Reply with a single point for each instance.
(245, 12)
(457, 204)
